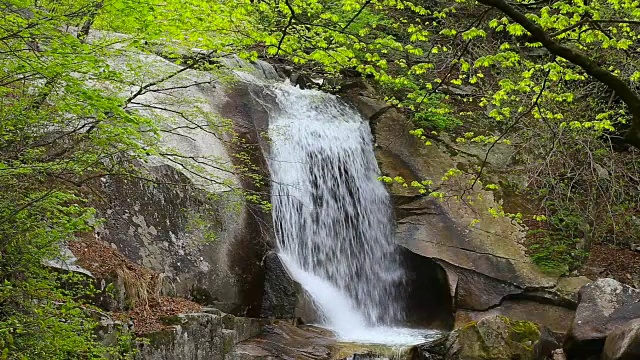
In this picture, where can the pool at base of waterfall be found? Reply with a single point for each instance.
(343, 318)
(391, 336)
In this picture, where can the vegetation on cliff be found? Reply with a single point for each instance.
(557, 80)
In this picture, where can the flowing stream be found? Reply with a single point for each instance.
(332, 215)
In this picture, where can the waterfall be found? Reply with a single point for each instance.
(332, 216)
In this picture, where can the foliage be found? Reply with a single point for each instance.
(556, 253)
(69, 115)
(557, 80)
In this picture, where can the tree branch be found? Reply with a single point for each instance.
(591, 67)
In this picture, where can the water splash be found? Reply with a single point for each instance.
(332, 216)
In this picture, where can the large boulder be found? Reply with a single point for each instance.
(185, 216)
(499, 338)
(604, 306)
(180, 218)
(623, 343)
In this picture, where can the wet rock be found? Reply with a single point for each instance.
(432, 350)
(286, 341)
(623, 343)
(283, 340)
(280, 291)
(494, 338)
(604, 306)
(556, 318)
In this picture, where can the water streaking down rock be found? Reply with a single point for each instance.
(332, 217)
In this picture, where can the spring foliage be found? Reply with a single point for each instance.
(562, 75)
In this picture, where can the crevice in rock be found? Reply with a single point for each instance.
(428, 306)
(468, 250)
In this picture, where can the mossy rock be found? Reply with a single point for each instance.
(370, 351)
(523, 332)
(494, 338)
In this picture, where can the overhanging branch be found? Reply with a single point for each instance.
(591, 67)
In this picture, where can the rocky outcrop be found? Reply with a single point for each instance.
(605, 305)
(184, 217)
(623, 343)
(499, 338)
(201, 336)
(487, 269)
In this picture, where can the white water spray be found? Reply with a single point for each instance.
(332, 216)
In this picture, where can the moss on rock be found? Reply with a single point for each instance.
(494, 338)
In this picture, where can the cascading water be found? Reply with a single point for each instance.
(332, 216)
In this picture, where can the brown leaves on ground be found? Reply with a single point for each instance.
(609, 261)
(141, 284)
(148, 318)
(101, 259)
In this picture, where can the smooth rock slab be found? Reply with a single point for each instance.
(284, 340)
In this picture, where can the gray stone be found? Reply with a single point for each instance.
(201, 336)
(182, 217)
(605, 305)
(165, 227)
(280, 291)
(623, 343)
(66, 261)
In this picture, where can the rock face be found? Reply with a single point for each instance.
(171, 220)
(497, 338)
(184, 216)
(201, 336)
(623, 343)
(485, 264)
(605, 305)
